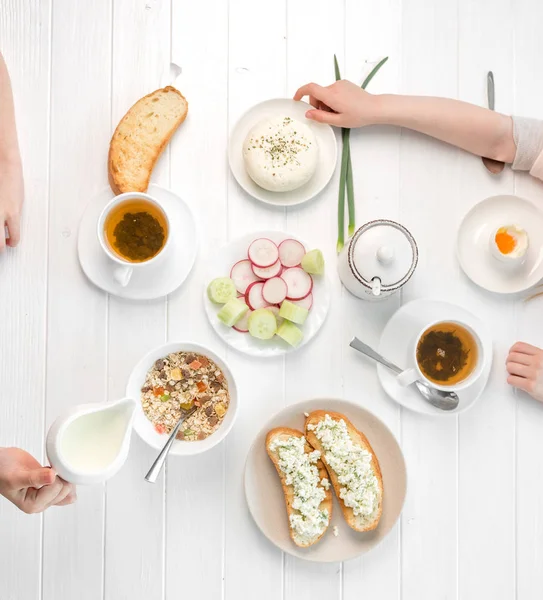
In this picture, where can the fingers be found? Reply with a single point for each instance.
(47, 495)
(69, 499)
(521, 359)
(36, 501)
(36, 478)
(14, 228)
(527, 385)
(323, 116)
(527, 372)
(2, 233)
(317, 92)
(64, 494)
(524, 348)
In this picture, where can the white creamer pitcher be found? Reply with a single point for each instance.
(378, 260)
(90, 443)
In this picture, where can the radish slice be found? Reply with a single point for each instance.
(291, 253)
(299, 283)
(253, 296)
(263, 253)
(274, 290)
(243, 324)
(306, 302)
(268, 272)
(242, 275)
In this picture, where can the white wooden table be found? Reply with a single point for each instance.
(472, 527)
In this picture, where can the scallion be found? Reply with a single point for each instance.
(346, 172)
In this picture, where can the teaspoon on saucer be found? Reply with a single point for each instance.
(156, 467)
(438, 398)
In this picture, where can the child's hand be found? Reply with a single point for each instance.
(343, 104)
(27, 484)
(525, 366)
(11, 202)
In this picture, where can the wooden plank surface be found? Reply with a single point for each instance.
(471, 527)
(25, 40)
(77, 311)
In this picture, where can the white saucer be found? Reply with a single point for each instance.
(326, 140)
(473, 248)
(397, 341)
(145, 284)
(244, 342)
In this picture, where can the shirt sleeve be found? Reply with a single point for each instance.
(528, 136)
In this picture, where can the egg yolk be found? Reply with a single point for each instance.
(505, 241)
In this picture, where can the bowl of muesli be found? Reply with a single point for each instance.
(172, 380)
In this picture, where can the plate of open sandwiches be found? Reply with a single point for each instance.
(325, 480)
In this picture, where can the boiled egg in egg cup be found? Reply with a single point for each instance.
(509, 244)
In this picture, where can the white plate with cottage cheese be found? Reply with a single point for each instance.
(278, 156)
(338, 542)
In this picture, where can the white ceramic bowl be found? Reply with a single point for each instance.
(145, 428)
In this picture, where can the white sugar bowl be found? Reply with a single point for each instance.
(378, 260)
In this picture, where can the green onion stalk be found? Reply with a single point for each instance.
(346, 171)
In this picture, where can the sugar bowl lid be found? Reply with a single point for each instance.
(382, 255)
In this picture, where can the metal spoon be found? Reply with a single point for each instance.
(493, 166)
(156, 467)
(438, 398)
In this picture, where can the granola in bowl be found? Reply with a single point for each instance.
(179, 382)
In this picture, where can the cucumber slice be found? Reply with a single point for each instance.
(262, 324)
(221, 290)
(294, 313)
(313, 262)
(290, 333)
(232, 311)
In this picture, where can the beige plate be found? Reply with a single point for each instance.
(265, 496)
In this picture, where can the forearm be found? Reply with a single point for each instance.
(472, 128)
(9, 148)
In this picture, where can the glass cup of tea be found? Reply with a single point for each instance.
(447, 355)
(134, 232)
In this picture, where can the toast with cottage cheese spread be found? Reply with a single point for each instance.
(307, 490)
(352, 467)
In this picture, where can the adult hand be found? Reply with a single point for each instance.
(11, 202)
(31, 487)
(525, 366)
(342, 104)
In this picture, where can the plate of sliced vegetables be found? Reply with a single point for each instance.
(267, 293)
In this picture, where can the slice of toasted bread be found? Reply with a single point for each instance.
(288, 490)
(141, 136)
(356, 522)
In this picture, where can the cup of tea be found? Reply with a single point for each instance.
(446, 355)
(134, 232)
